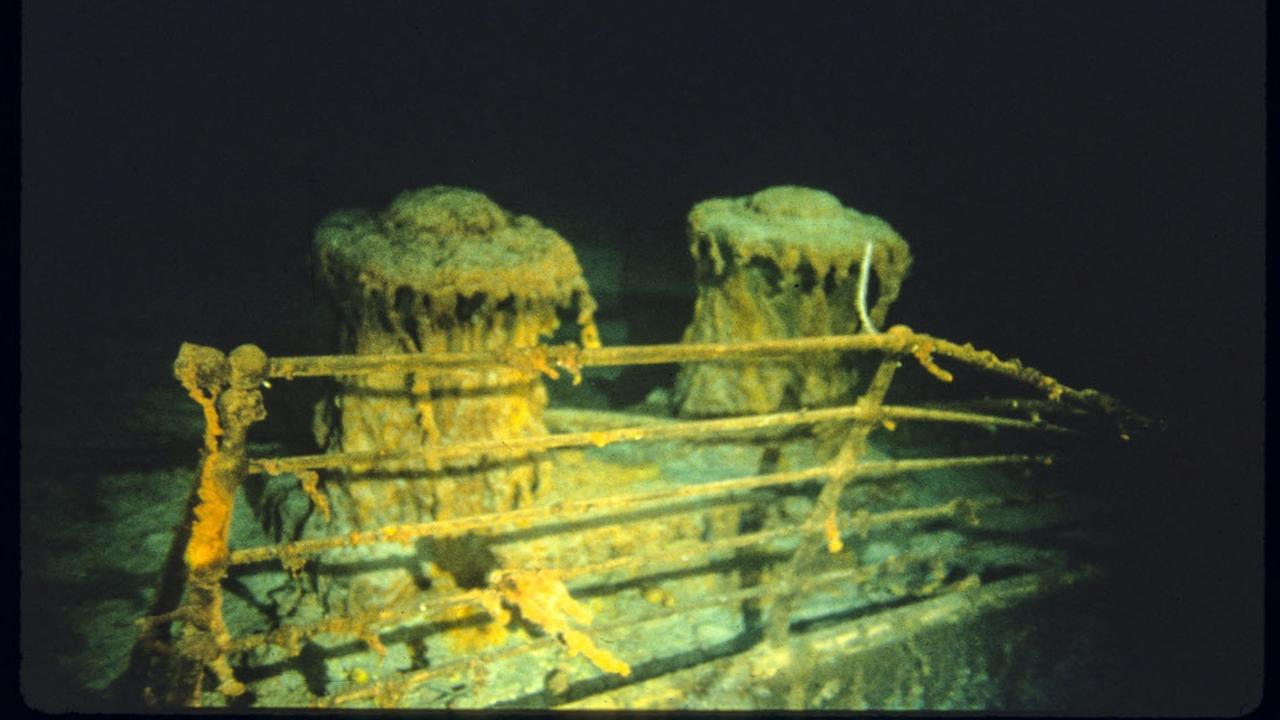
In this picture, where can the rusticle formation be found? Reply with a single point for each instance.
(441, 270)
(425, 559)
(782, 263)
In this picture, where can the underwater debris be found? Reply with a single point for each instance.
(543, 600)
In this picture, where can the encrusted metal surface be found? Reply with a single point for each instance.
(704, 561)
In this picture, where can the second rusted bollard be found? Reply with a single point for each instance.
(782, 263)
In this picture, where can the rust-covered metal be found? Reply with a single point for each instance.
(185, 641)
(785, 262)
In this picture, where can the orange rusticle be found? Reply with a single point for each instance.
(238, 405)
(212, 522)
(543, 600)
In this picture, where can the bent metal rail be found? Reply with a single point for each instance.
(184, 637)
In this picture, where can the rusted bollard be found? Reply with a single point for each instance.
(442, 269)
(782, 263)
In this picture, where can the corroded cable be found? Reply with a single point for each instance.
(864, 279)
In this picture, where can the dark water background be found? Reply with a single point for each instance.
(1081, 184)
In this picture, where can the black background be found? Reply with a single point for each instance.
(1081, 182)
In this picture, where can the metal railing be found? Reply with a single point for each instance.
(185, 639)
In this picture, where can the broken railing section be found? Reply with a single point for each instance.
(228, 391)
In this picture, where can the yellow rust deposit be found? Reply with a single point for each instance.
(202, 374)
(310, 482)
(831, 531)
(476, 629)
(543, 600)
(782, 263)
(658, 596)
(923, 352)
(212, 517)
(445, 270)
